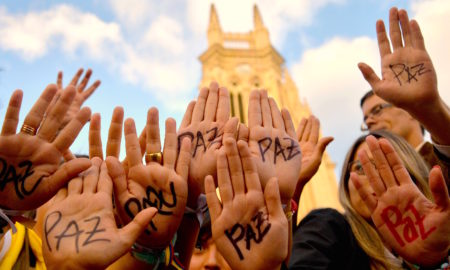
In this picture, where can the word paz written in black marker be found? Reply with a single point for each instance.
(72, 230)
(212, 136)
(412, 72)
(241, 232)
(287, 153)
(18, 176)
(153, 199)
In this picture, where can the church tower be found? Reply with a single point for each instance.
(246, 61)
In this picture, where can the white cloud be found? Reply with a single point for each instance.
(165, 34)
(432, 17)
(329, 79)
(33, 34)
(132, 13)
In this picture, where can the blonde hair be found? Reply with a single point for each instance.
(366, 235)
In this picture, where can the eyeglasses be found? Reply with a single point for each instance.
(376, 111)
(356, 166)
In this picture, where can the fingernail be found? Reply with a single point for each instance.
(436, 167)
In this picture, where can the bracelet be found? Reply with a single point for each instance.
(293, 209)
(158, 257)
(4, 216)
(444, 265)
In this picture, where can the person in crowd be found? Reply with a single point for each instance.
(327, 239)
(407, 99)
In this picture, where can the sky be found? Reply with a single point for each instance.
(146, 52)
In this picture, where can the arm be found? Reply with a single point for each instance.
(408, 77)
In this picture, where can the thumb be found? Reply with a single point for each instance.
(323, 143)
(136, 227)
(230, 128)
(369, 74)
(66, 172)
(439, 188)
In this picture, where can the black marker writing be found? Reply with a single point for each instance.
(411, 71)
(9, 173)
(287, 152)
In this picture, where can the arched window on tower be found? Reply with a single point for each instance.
(232, 104)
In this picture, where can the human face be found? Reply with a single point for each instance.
(388, 118)
(208, 258)
(355, 199)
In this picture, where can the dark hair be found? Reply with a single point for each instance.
(366, 96)
(370, 93)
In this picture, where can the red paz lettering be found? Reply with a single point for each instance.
(392, 216)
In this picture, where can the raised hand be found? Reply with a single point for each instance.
(408, 76)
(206, 122)
(79, 228)
(415, 227)
(158, 183)
(312, 151)
(82, 93)
(30, 170)
(248, 227)
(273, 143)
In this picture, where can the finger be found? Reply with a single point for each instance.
(223, 107)
(70, 132)
(364, 191)
(235, 165)
(90, 176)
(289, 125)
(230, 128)
(404, 23)
(143, 141)
(59, 79)
(129, 234)
(132, 144)
(383, 166)
(34, 117)
(12, 113)
(383, 42)
(199, 108)
(184, 158)
(75, 186)
(307, 131)
(84, 81)
(369, 75)
(416, 35)
(68, 155)
(153, 137)
(372, 174)
(301, 129)
(95, 137)
(115, 133)
(394, 29)
(439, 188)
(88, 92)
(250, 171)
(52, 122)
(243, 132)
(60, 195)
(223, 177)
(188, 115)
(76, 77)
(118, 176)
(105, 183)
(170, 144)
(395, 163)
(66, 172)
(265, 109)
(273, 200)
(315, 126)
(277, 120)
(211, 102)
(214, 206)
(254, 110)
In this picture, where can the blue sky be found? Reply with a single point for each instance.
(145, 52)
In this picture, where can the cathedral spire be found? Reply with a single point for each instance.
(214, 29)
(257, 20)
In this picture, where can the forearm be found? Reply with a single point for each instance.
(436, 119)
(187, 237)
